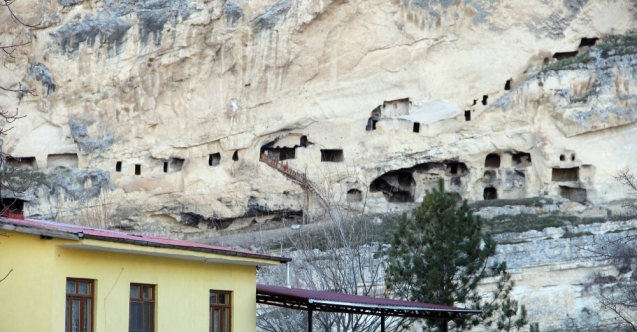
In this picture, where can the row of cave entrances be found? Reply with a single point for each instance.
(52, 161)
(399, 186)
(175, 164)
(585, 43)
(493, 161)
(282, 153)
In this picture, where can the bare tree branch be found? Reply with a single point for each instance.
(7, 4)
(627, 178)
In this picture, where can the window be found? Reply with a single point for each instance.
(118, 166)
(79, 305)
(220, 311)
(142, 308)
(332, 155)
(138, 169)
(214, 159)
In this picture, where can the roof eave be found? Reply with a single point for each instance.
(40, 231)
(140, 242)
(391, 307)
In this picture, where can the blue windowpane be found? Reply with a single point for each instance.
(66, 320)
(148, 293)
(84, 288)
(75, 315)
(149, 317)
(134, 292)
(216, 318)
(136, 323)
(70, 287)
(226, 320)
(88, 310)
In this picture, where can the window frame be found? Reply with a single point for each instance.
(82, 315)
(143, 301)
(222, 307)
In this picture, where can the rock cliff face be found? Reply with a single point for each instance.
(172, 103)
(155, 115)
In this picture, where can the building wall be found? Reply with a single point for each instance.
(34, 293)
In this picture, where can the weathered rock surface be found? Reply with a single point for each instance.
(159, 110)
(177, 99)
(555, 271)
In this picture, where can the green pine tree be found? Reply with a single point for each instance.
(439, 255)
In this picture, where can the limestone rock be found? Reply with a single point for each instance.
(373, 100)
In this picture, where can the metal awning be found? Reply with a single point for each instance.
(312, 300)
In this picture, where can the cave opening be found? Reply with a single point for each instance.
(12, 207)
(492, 160)
(565, 174)
(304, 142)
(564, 55)
(467, 115)
(573, 157)
(287, 153)
(484, 99)
(521, 159)
(23, 163)
(214, 159)
(63, 159)
(573, 194)
(396, 186)
(373, 119)
(507, 85)
(165, 167)
(235, 155)
(176, 164)
(490, 193)
(400, 197)
(562, 157)
(588, 42)
(405, 179)
(354, 195)
(416, 127)
(332, 155)
(138, 169)
(453, 168)
(379, 184)
(118, 166)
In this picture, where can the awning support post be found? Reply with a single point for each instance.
(309, 320)
(382, 323)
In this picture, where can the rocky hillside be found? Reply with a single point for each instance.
(156, 113)
(196, 118)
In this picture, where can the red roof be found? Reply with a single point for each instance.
(306, 299)
(82, 232)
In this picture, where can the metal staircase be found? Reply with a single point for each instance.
(297, 177)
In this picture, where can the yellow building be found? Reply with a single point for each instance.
(60, 277)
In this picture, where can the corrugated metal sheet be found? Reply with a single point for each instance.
(142, 240)
(314, 296)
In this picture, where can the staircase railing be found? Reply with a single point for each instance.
(298, 177)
